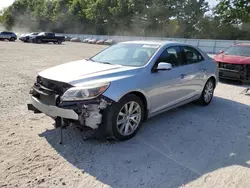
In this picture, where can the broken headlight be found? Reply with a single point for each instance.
(85, 92)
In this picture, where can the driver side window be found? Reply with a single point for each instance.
(192, 55)
(171, 55)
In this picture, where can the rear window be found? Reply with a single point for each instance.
(238, 51)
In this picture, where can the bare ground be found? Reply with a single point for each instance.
(191, 146)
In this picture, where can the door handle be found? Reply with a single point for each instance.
(183, 76)
(203, 70)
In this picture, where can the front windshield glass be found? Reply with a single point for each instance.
(238, 51)
(127, 54)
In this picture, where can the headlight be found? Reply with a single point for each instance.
(85, 92)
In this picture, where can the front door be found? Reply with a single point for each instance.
(167, 85)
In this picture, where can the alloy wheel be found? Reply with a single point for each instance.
(208, 92)
(129, 118)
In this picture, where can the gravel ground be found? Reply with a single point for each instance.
(191, 146)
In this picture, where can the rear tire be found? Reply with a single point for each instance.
(207, 93)
(39, 41)
(59, 42)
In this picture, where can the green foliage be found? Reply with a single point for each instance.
(163, 18)
(233, 11)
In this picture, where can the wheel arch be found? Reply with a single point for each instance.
(214, 80)
(143, 99)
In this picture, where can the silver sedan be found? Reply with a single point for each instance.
(114, 91)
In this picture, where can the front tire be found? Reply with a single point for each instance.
(12, 39)
(123, 120)
(207, 93)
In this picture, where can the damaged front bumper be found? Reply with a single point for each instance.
(234, 72)
(85, 113)
(52, 111)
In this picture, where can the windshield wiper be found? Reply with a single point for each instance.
(99, 61)
(105, 63)
(89, 59)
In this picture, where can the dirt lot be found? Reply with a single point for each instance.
(191, 146)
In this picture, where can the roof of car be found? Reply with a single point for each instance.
(154, 42)
(6, 31)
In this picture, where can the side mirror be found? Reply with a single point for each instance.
(164, 66)
(222, 51)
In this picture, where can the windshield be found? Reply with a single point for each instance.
(238, 51)
(127, 54)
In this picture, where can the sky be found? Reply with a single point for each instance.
(6, 3)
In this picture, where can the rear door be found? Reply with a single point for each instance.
(51, 37)
(194, 71)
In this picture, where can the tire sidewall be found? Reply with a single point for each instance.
(203, 93)
(39, 41)
(116, 134)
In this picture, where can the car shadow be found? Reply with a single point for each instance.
(231, 82)
(49, 43)
(171, 149)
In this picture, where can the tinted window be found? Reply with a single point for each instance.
(191, 55)
(171, 55)
(50, 34)
(238, 51)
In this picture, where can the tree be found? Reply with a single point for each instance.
(233, 11)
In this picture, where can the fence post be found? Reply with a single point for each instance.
(215, 44)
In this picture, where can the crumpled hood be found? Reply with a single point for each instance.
(83, 71)
(232, 59)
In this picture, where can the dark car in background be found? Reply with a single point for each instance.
(6, 35)
(26, 37)
(234, 63)
(46, 37)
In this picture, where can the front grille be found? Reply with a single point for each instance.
(236, 67)
(57, 87)
(248, 72)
